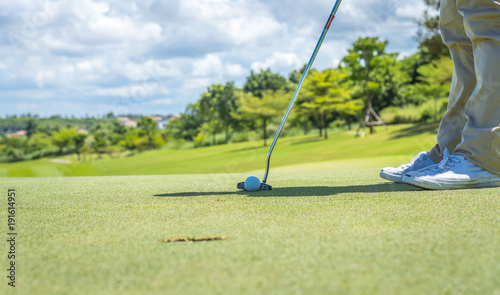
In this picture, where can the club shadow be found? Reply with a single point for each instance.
(307, 191)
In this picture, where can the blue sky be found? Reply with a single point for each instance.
(155, 56)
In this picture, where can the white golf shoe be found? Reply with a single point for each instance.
(453, 172)
(420, 161)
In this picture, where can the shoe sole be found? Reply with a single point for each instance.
(391, 177)
(451, 185)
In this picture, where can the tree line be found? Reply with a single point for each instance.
(369, 81)
(411, 89)
(84, 137)
(402, 90)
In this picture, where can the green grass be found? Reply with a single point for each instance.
(329, 226)
(385, 148)
(317, 232)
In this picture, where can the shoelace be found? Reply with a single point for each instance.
(448, 162)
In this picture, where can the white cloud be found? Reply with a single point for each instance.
(98, 23)
(410, 9)
(277, 61)
(44, 76)
(212, 66)
(135, 92)
(113, 91)
(235, 70)
(208, 66)
(167, 52)
(244, 30)
(90, 71)
(162, 101)
(27, 107)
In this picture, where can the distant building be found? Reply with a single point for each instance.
(160, 122)
(127, 122)
(174, 117)
(21, 133)
(82, 131)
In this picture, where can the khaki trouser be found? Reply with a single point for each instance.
(471, 125)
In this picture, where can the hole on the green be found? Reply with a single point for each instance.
(192, 240)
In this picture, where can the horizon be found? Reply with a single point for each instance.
(86, 116)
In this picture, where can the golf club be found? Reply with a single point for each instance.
(264, 185)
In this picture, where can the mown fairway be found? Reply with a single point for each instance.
(342, 150)
(324, 232)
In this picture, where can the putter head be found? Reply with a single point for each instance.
(263, 186)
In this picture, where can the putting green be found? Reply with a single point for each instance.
(317, 232)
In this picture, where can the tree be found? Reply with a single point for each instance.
(208, 106)
(295, 76)
(132, 141)
(31, 126)
(328, 92)
(389, 73)
(15, 147)
(364, 62)
(436, 82)
(98, 143)
(39, 142)
(305, 116)
(117, 132)
(118, 127)
(79, 141)
(216, 105)
(271, 105)
(186, 125)
(226, 106)
(431, 46)
(63, 138)
(439, 74)
(148, 129)
(261, 82)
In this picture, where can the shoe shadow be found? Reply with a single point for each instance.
(308, 191)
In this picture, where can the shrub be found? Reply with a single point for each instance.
(429, 111)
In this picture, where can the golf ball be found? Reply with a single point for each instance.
(252, 184)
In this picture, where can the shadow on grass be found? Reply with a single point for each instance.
(283, 140)
(248, 149)
(309, 191)
(307, 140)
(415, 130)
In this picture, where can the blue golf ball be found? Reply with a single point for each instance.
(252, 184)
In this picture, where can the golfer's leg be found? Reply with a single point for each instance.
(481, 135)
(463, 82)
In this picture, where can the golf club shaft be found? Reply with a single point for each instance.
(313, 57)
